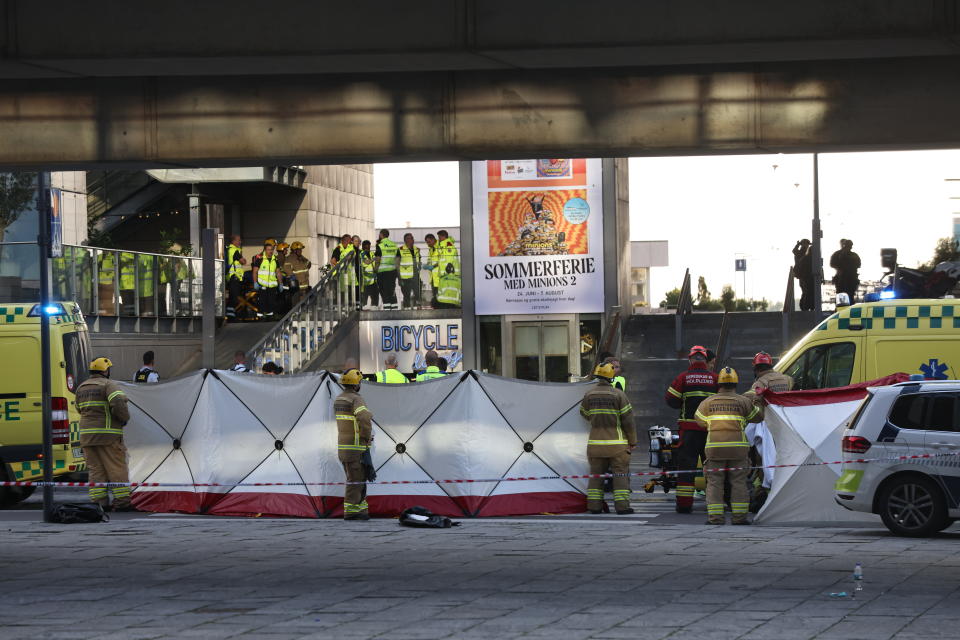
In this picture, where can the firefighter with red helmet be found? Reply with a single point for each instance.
(685, 393)
(766, 378)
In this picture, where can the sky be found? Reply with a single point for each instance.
(714, 209)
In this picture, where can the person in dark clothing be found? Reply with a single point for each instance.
(803, 271)
(847, 265)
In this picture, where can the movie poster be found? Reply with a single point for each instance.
(538, 236)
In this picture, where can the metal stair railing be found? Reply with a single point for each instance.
(298, 337)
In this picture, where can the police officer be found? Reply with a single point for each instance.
(409, 272)
(390, 373)
(766, 378)
(725, 416)
(386, 262)
(147, 373)
(234, 266)
(685, 393)
(612, 438)
(433, 369)
(354, 437)
(103, 414)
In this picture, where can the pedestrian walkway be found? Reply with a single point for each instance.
(171, 576)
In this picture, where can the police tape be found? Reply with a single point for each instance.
(584, 476)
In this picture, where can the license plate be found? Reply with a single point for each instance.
(78, 452)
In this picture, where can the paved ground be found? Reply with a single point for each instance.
(166, 576)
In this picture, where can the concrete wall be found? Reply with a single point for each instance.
(126, 351)
(73, 204)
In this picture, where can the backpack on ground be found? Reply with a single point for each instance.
(424, 518)
(70, 513)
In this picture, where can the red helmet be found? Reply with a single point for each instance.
(697, 349)
(762, 358)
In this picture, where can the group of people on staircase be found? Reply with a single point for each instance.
(278, 276)
(373, 271)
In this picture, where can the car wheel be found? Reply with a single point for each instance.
(10, 496)
(913, 506)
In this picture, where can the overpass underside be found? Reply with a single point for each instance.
(868, 104)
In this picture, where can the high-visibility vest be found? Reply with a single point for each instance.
(449, 292)
(434, 259)
(347, 276)
(127, 272)
(146, 276)
(431, 373)
(369, 273)
(106, 268)
(620, 382)
(388, 255)
(408, 261)
(267, 275)
(234, 268)
(391, 376)
(448, 255)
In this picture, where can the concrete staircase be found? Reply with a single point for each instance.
(650, 360)
(231, 337)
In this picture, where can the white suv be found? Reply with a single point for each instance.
(913, 497)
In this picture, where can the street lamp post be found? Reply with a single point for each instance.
(43, 244)
(815, 255)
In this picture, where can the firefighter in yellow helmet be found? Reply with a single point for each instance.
(354, 437)
(612, 438)
(725, 416)
(103, 414)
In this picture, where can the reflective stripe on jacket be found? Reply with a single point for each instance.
(369, 272)
(103, 410)
(388, 255)
(611, 420)
(449, 290)
(725, 417)
(234, 268)
(354, 423)
(409, 261)
(391, 376)
(688, 390)
(267, 274)
(431, 373)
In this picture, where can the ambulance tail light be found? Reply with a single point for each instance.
(60, 419)
(855, 444)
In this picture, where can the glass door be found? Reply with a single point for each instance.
(541, 351)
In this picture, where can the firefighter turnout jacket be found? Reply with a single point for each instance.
(611, 421)
(103, 411)
(773, 380)
(354, 424)
(725, 416)
(688, 390)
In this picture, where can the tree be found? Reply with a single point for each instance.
(947, 250)
(671, 299)
(727, 298)
(703, 294)
(17, 193)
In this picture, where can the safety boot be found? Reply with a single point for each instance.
(742, 520)
(716, 520)
(623, 512)
(357, 516)
(684, 509)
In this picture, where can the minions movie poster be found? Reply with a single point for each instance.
(538, 228)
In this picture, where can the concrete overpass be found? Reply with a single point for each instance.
(226, 82)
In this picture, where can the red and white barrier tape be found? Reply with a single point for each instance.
(922, 456)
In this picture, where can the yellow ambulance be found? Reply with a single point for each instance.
(21, 432)
(874, 339)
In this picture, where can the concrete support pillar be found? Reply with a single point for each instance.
(195, 225)
(470, 342)
(209, 329)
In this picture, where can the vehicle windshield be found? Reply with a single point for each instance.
(76, 358)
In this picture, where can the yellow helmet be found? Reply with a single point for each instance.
(296, 245)
(100, 364)
(270, 241)
(605, 371)
(282, 246)
(351, 376)
(728, 376)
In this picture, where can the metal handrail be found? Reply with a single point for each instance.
(296, 340)
(76, 276)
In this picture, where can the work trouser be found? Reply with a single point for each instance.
(108, 463)
(354, 495)
(267, 300)
(410, 289)
(739, 494)
(692, 442)
(234, 291)
(371, 295)
(387, 281)
(806, 294)
(617, 464)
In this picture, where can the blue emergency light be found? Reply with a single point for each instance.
(888, 295)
